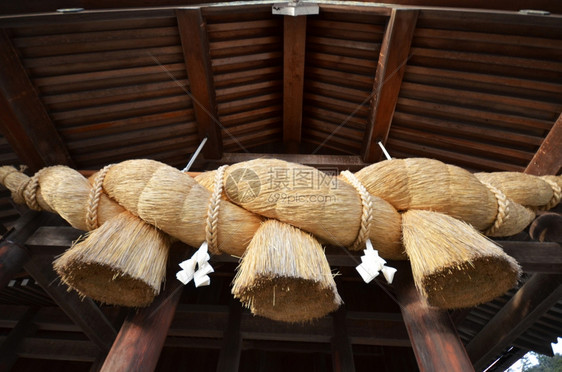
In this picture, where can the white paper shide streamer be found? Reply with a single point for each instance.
(199, 260)
(372, 264)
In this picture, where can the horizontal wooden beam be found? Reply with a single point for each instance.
(532, 256)
(332, 162)
(530, 302)
(25, 121)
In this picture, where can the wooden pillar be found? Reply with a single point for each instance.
(394, 54)
(294, 42)
(434, 339)
(342, 354)
(229, 360)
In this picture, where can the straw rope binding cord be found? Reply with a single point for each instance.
(28, 190)
(366, 216)
(557, 194)
(94, 199)
(211, 235)
(503, 209)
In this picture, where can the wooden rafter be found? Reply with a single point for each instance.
(548, 158)
(25, 121)
(294, 41)
(539, 293)
(141, 338)
(434, 339)
(195, 44)
(530, 302)
(393, 57)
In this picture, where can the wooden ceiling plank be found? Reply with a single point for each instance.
(25, 121)
(195, 44)
(393, 57)
(548, 158)
(294, 43)
(434, 339)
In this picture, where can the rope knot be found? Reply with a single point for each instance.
(366, 215)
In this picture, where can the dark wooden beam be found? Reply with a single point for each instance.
(530, 302)
(538, 294)
(83, 311)
(294, 43)
(12, 254)
(9, 347)
(434, 339)
(394, 55)
(195, 43)
(548, 158)
(141, 338)
(229, 359)
(342, 354)
(25, 121)
(334, 162)
(532, 256)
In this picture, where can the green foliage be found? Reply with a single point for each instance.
(546, 364)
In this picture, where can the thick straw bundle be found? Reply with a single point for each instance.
(60, 190)
(516, 187)
(453, 265)
(316, 202)
(175, 203)
(121, 263)
(284, 275)
(432, 185)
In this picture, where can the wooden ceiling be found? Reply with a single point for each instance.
(481, 89)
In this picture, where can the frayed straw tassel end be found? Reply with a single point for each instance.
(453, 265)
(284, 275)
(123, 262)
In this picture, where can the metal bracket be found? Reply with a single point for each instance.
(295, 8)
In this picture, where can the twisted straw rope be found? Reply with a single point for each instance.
(27, 191)
(556, 194)
(366, 215)
(92, 222)
(503, 209)
(211, 234)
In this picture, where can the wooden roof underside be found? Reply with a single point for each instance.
(479, 89)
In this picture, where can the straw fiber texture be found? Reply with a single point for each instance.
(284, 275)
(453, 265)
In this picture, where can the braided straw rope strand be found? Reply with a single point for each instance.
(94, 199)
(28, 190)
(211, 234)
(503, 209)
(557, 194)
(366, 216)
